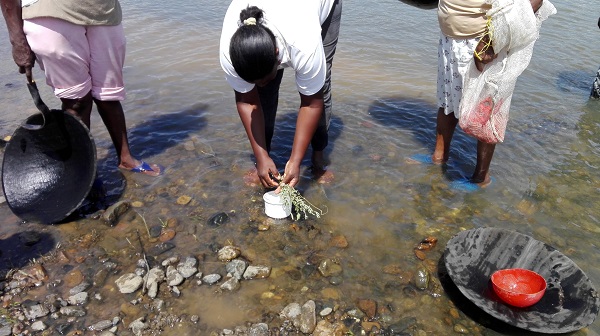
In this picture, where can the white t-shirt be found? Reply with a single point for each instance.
(296, 25)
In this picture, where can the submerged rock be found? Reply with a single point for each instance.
(228, 253)
(113, 212)
(218, 219)
(129, 283)
(161, 248)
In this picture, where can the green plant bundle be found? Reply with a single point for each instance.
(299, 205)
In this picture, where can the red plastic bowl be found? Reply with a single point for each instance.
(518, 287)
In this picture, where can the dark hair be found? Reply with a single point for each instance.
(253, 47)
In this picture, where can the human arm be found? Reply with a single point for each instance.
(22, 54)
(311, 108)
(251, 114)
(484, 51)
(536, 4)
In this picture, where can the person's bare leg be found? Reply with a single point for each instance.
(319, 168)
(444, 132)
(81, 108)
(113, 117)
(485, 152)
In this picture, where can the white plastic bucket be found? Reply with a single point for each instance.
(274, 206)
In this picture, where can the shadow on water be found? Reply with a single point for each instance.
(146, 140)
(575, 81)
(418, 117)
(20, 248)
(156, 135)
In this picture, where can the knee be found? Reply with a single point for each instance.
(80, 106)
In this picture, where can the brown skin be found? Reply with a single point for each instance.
(489, 54)
(110, 111)
(251, 114)
(250, 111)
(446, 124)
(22, 54)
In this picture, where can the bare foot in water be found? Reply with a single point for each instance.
(319, 168)
(485, 183)
(251, 178)
(322, 176)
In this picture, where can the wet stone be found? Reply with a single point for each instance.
(101, 325)
(166, 235)
(138, 326)
(308, 318)
(170, 261)
(402, 325)
(259, 329)
(218, 219)
(295, 274)
(183, 200)
(38, 326)
(188, 268)
(421, 278)
(325, 311)
(155, 231)
(79, 288)
(231, 284)
(72, 311)
(228, 253)
(307, 270)
(460, 329)
(112, 213)
(329, 267)
(100, 277)
(173, 276)
(257, 272)
(78, 299)
(106, 333)
(211, 279)
(236, 268)
(368, 307)
(63, 328)
(339, 241)
(161, 248)
(36, 310)
(129, 283)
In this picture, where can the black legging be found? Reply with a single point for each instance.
(269, 94)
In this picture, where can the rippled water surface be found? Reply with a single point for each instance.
(181, 114)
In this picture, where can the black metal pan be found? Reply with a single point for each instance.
(49, 164)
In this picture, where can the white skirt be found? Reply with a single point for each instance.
(453, 57)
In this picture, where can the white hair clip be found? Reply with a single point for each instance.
(250, 22)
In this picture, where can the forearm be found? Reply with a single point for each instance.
(251, 115)
(11, 10)
(310, 112)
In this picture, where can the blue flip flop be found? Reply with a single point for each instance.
(422, 158)
(465, 184)
(145, 167)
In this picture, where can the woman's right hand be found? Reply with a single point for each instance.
(267, 172)
(484, 52)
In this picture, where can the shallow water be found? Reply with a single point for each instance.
(181, 114)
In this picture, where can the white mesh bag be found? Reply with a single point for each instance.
(485, 103)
